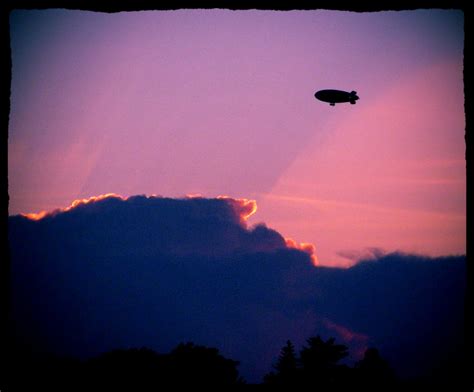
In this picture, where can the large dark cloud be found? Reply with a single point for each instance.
(154, 271)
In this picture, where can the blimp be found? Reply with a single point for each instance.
(336, 96)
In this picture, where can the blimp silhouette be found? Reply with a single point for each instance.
(336, 96)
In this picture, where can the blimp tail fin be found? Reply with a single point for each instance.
(353, 92)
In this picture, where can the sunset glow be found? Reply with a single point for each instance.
(36, 215)
(74, 204)
(219, 102)
(348, 336)
(245, 208)
(305, 247)
(179, 176)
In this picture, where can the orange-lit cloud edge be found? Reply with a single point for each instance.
(244, 208)
(78, 202)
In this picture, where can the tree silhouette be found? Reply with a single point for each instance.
(198, 365)
(318, 365)
(287, 360)
(144, 369)
(374, 372)
(319, 361)
(286, 368)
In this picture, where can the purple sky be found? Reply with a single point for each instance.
(221, 102)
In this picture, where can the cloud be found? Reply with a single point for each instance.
(357, 341)
(369, 253)
(75, 204)
(190, 226)
(111, 272)
(305, 247)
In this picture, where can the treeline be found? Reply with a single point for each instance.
(188, 365)
(318, 366)
(134, 369)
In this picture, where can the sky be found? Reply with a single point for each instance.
(219, 102)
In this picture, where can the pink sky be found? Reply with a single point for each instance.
(221, 102)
